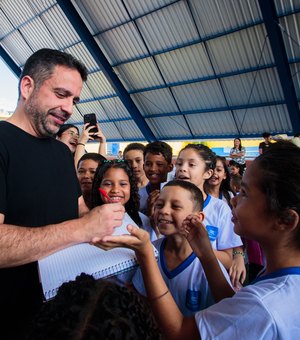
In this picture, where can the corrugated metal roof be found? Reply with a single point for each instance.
(186, 69)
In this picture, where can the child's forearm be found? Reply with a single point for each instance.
(225, 257)
(217, 282)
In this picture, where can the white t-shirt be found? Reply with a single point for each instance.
(144, 193)
(187, 283)
(267, 309)
(219, 225)
(147, 226)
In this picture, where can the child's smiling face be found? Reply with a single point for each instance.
(156, 168)
(192, 168)
(219, 174)
(171, 208)
(116, 184)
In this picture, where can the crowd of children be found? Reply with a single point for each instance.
(266, 210)
(211, 211)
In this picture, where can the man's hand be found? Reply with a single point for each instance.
(102, 221)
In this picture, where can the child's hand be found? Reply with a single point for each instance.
(85, 134)
(195, 232)
(99, 135)
(138, 240)
(237, 271)
(152, 198)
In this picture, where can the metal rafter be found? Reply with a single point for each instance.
(105, 66)
(10, 63)
(269, 14)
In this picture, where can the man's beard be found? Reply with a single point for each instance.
(39, 118)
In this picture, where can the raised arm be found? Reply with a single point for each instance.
(82, 141)
(102, 142)
(197, 236)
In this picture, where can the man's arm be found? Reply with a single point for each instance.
(21, 245)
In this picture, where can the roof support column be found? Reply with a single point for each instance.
(268, 11)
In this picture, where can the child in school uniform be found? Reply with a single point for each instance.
(266, 210)
(157, 165)
(196, 164)
(115, 178)
(218, 186)
(134, 155)
(179, 266)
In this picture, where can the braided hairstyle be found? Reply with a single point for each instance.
(133, 204)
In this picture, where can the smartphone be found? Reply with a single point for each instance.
(90, 118)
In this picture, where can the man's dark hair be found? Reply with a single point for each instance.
(159, 147)
(40, 65)
(94, 309)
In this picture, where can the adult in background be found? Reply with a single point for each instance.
(237, 153)
(40, 197)
(265, 145)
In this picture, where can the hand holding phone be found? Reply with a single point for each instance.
(90, 118)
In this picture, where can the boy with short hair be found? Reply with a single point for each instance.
(134, 155)
(179, 266)
(234, 168)
(157, 165)
(235, 183)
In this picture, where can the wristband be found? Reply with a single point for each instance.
(80, 144)
(238, 253)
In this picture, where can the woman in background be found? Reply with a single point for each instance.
(237, 153)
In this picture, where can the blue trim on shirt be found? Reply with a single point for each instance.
(206, 202)
(278, 273)
(148, 189)
(177, 270)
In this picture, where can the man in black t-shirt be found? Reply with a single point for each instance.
(40, 198)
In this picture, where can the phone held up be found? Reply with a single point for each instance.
(90, 118)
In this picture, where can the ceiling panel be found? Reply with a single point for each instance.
(169, 69)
